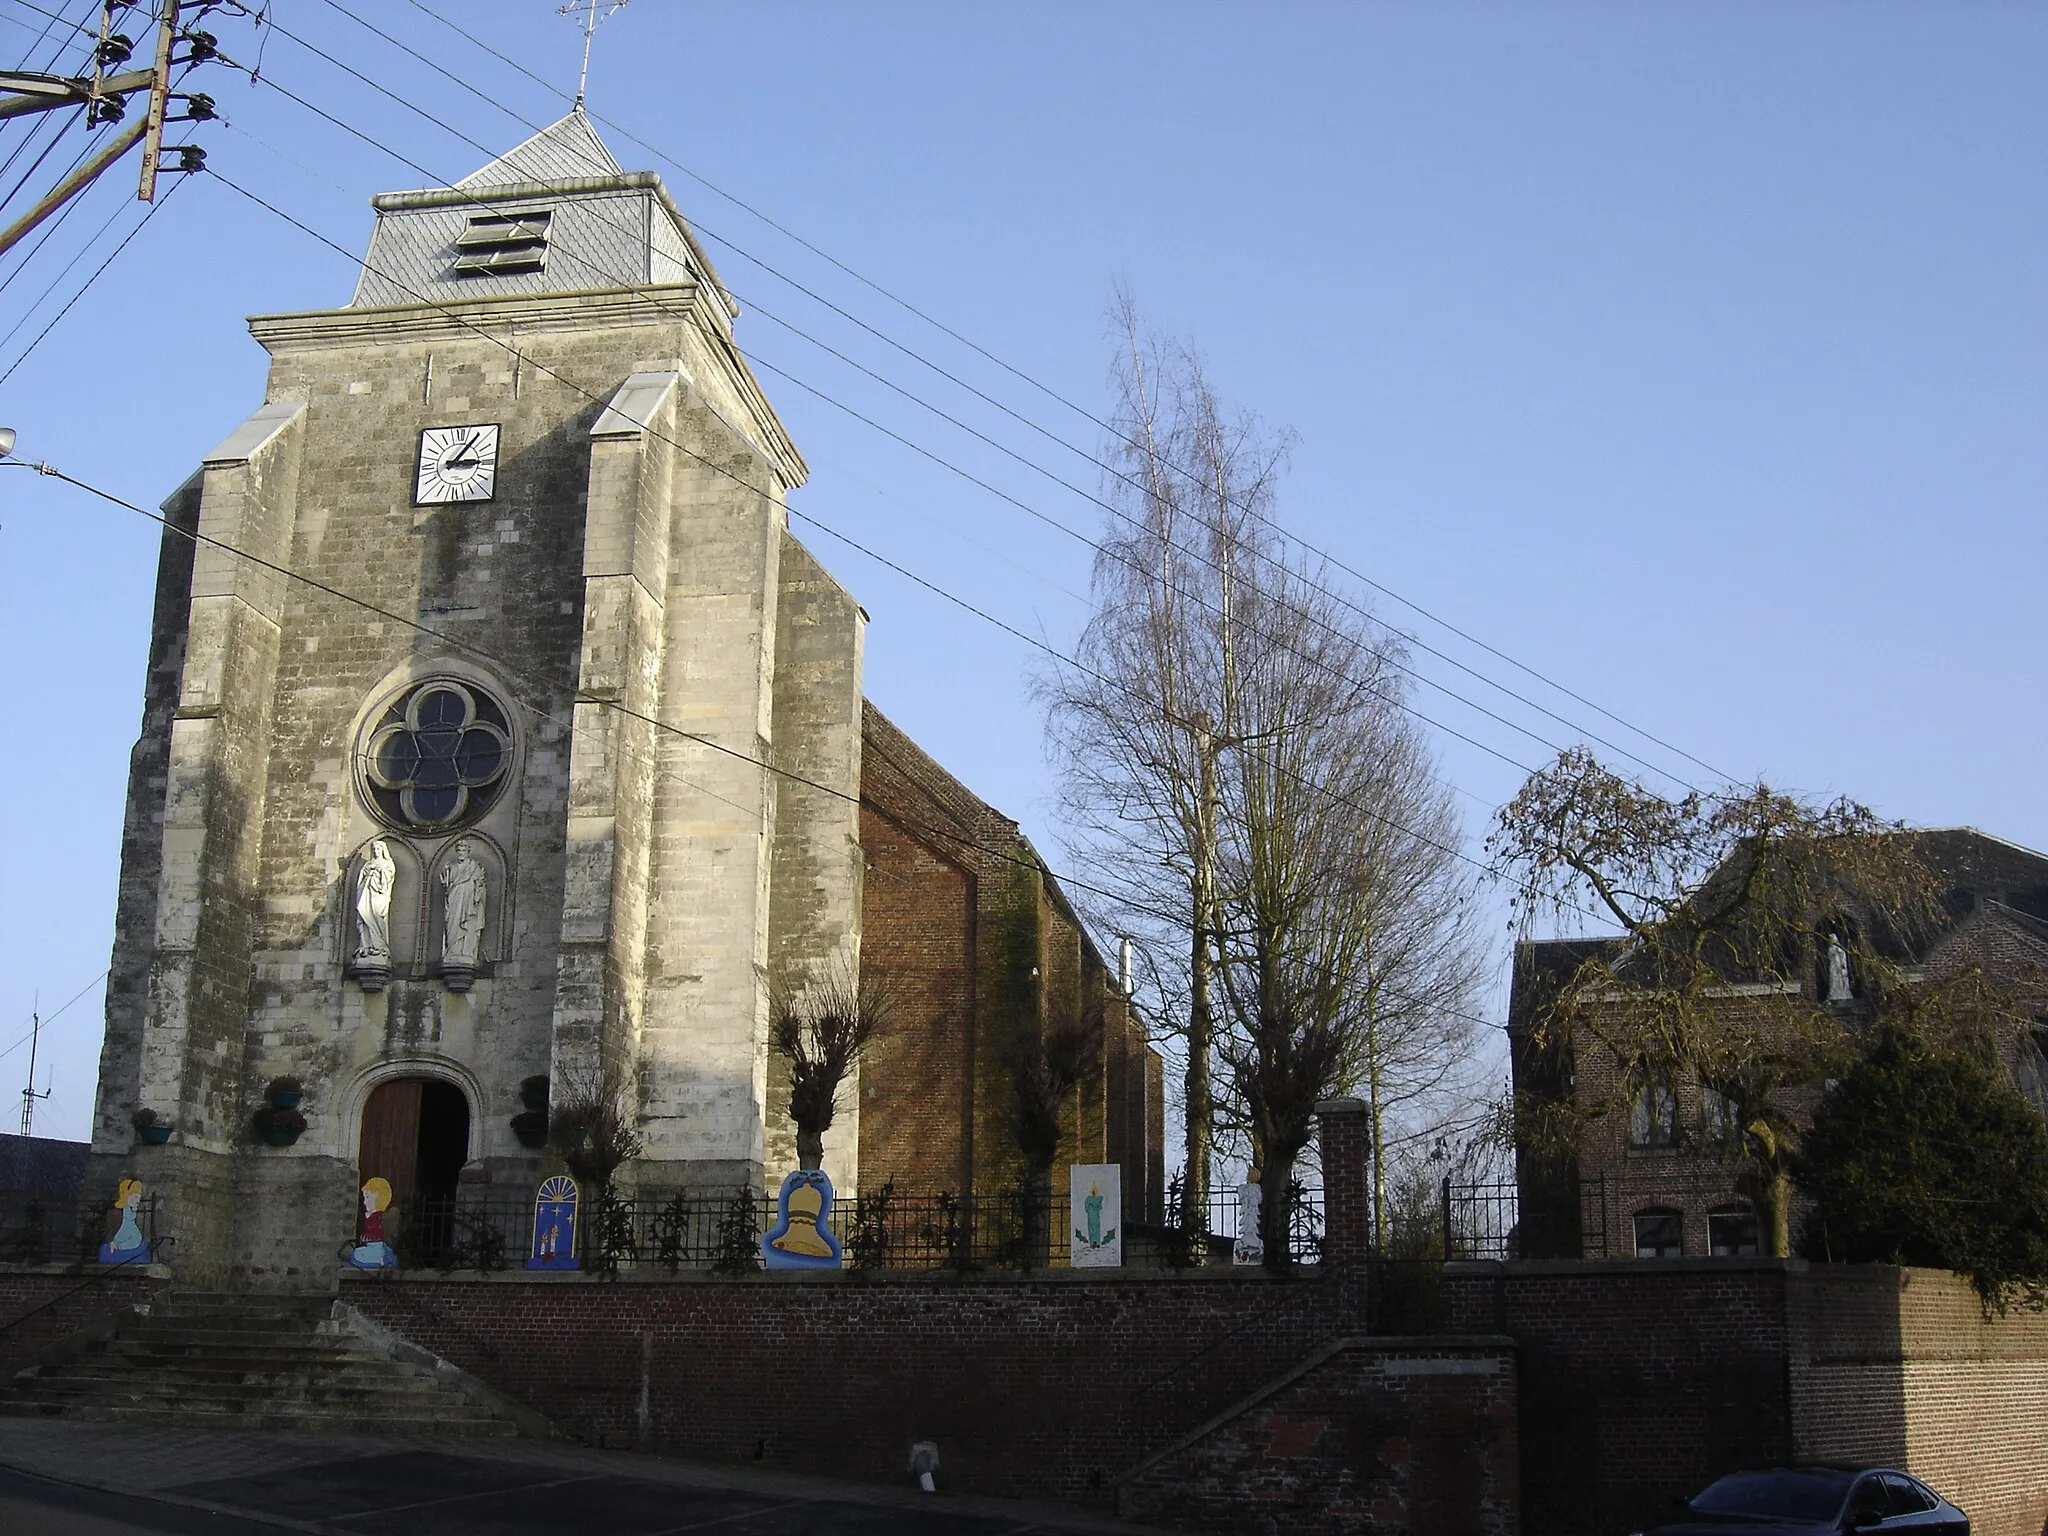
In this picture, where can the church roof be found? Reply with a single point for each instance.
(567, 150)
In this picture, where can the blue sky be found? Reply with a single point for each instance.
(1691, 355)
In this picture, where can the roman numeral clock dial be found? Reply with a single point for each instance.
(457, 464)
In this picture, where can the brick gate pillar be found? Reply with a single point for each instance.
(1346, 1135)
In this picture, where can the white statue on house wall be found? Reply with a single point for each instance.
(1838, 970)
(371, 963)
(464, 887)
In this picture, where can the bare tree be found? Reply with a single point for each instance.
(1139, 725)
(820, 1024)
(1047, 1069)
(1350, 953)
(592, 1123)
(1235, 762)
(1730, 907)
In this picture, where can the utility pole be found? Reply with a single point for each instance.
(29, 1094)
(104, 97)
(1200, 1091)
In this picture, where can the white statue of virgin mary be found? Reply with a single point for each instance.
(370, 961)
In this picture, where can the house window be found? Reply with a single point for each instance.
(1731, 1232)
(1719, 1118)
(1660, 1234)
(1653, 1118)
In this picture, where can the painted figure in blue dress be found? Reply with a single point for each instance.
(127, 1245)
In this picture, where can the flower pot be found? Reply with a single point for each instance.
(153, 1135)
(279, 1136)
(286, 1098)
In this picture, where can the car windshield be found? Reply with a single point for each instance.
(1789, 1494)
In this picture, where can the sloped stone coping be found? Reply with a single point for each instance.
(531, 1425)
(1389, 1344)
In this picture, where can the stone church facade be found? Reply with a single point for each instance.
(551, 763)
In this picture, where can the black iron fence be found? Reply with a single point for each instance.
(1480, 1221)
(45, 1227)
(1227, 1215)
(884, 1228)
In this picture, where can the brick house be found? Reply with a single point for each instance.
(1654, 1182)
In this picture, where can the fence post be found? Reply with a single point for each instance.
(1445, 1193)
(1346, 1135)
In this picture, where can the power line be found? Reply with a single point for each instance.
(1049, 392)
(933, 587)
(46, 1023)
(512, 670)
(149, 213)
(954, 421)
(973, 479)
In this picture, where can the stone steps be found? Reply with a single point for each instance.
(250, 1362)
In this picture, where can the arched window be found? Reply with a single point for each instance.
(1731, 1231)
(1653, 1117)
(1660, 1233)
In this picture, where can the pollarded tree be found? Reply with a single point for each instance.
(820, 1023)
(1739, 914)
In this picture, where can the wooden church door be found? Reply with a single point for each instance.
(390, 1147)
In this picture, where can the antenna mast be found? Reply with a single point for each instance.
(594, 13)
(29, 1094)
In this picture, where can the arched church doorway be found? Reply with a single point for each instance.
(416, 1136)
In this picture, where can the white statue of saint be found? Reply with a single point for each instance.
(1838, 970)
(462, 930)
(1250, 1247)
(373, 905)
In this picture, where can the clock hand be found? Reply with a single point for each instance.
(462, 458)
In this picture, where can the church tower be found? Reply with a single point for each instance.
(547, 765)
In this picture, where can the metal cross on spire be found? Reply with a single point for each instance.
(593, 14)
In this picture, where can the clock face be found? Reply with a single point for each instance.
(457, 464)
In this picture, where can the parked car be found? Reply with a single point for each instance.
(1808, 1499)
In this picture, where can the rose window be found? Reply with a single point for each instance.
(438, 756)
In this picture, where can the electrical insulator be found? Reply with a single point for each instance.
(107, 109)
(191, 158)
(114, 51)
(204, 45)
(198, 107)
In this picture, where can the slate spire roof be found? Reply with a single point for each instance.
(566, 150)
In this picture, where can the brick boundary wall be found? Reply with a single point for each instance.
(1386, 1435)
(1054, 1385)
(1641, 1381)
(1050, 1387)
(41, 1307)
(1904, 1366)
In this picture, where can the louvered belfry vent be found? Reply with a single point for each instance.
(496, 244)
